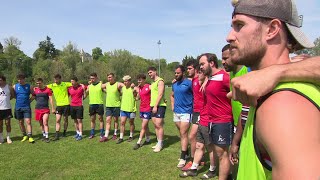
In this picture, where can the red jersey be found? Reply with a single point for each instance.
(217, 103)
(42, 97)
(204, 117)
(145, 98)
(76, 94)
(197, 95)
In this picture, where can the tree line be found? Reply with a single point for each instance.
(48, 61)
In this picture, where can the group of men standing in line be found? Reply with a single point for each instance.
(120, 102)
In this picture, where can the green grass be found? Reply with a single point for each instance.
(88, 158)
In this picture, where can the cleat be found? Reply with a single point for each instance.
(130, 139)
(31, 140)
(209, 174)
(146, 143)
(137, 146)
(114, 137)
(91, 136)
(153, 147)
(1, 140)
(9, 141)
(76, 136)
(79, 138)
(64, 134)
(189, 173)
(182, 163)
(24, 138)
(47, 140)
(56, 137)
(120, 141)
(157, 149)
(103, 139)
(43, 138)
(187, 166)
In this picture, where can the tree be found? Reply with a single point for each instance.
(46, 50)
(186, 59)
(315, 51)
(12, 41)
(1, 48)
(70, 56)
(96, 53)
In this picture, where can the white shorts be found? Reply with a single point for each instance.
(182, 117)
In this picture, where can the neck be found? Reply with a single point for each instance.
(237, 68)
(155, 78)
(214, 70)
(274, 55)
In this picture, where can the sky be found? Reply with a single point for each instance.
(184, 27)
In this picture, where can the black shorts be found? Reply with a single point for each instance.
(96, 109)
(195, 117)
(161, 112)
(5, 114)
(76, 112)
(203, 135)
(63, 110)
(22, 113)
(221, 133)
(113, 111)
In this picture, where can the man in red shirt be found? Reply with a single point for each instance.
(77, 94)
(145, 110)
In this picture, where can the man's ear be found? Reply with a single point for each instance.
(273, 29)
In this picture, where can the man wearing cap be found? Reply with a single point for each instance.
(263, 33)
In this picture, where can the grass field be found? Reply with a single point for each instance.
(88, 158)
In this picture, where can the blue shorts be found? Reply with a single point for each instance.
(21, 113)
(113, 111)
(130, 115)
(145, 115)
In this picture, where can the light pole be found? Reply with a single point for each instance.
(159, 43)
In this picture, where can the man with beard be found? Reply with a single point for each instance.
(214, 131)
(158, 106)
(181, 105)
(263, 34)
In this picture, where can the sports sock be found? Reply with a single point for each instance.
(121, 135)
(64, 131)
(0, 135)
(139, 141)
(43, 133)
(80, 133)
(183, 155)
(101, 131)
(24, 133)
(160, 142)
(106, 133)
(115, 131)
(194, 166)
(8, 134)
(29, 134)
(212, 168)
(131, 133)
(46, 134)
(148, 138)
(92, 132)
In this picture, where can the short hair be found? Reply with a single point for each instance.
(141, 76)
(21, 76)
(3, 78)
(112, 74)
(181, 67)
(57, 76)
(193, 63)
(225, 47)
(210, 58)
(152, 68)
(94, 74)
(74, 78)
(39, 80)
(126, 78)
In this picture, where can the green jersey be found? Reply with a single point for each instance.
(113, 95)
(95, 94)
(250, 166)
(236, 105)
(154, 93)
(60, 92)
(128, 102)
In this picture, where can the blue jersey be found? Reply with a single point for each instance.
(183, 97)
(22, 95)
